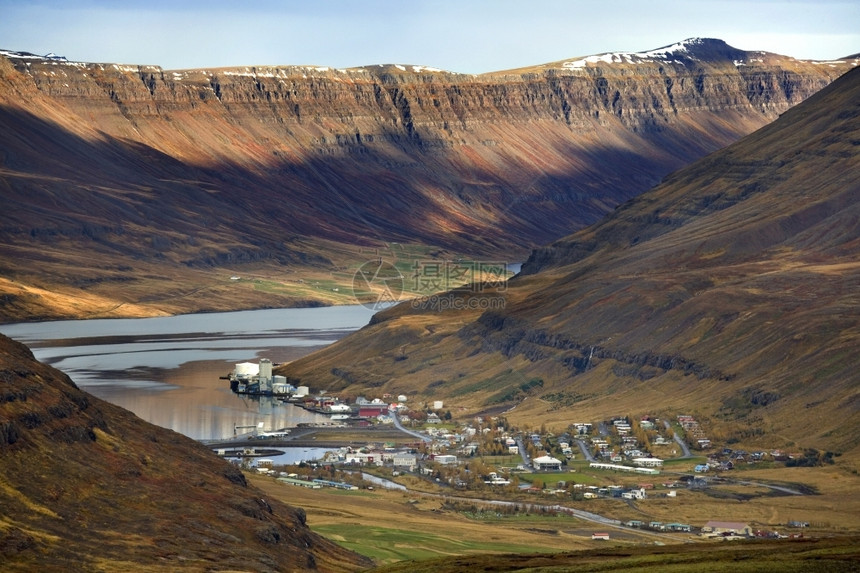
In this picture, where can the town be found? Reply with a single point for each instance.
(614, 467)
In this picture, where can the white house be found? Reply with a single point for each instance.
(546, 463)
(634, 494)
(405, 461)
(494, 479)
(648, 462)
(362, 458)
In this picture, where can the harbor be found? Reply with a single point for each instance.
(166, 370)
(258, 379)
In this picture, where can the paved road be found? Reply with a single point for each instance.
(684, 447)
(583, 447)
(603, 521)
(523, 452)
(400, 427)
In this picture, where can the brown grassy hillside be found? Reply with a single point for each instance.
(130, 190)
(729, 291)
(87, 486)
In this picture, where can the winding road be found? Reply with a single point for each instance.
(399, 426)
(684, 447)
(578, 513)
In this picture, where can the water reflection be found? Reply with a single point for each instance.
(166, 370)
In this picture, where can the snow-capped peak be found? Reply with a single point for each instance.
(671, 54)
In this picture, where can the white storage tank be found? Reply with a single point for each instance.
(303, 391)
(247, 369)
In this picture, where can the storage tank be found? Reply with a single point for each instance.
(247, 369)
(265, 368)
(303, 391)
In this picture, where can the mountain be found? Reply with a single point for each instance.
(88, 486)
(133, 190)
(728, 291)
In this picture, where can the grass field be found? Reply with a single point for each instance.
(803, 556)
(392, 526)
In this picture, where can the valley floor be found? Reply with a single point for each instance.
(395, 527)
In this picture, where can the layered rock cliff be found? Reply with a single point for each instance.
(203, 168)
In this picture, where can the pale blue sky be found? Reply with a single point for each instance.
(461, 36)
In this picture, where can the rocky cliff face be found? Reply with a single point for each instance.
(207, 167)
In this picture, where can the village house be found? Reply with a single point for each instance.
(582, 428)
(363, 458)
(494, 479)
(634, 494)
(648, 462)
(405, 461)
(726, 528)
(469, 449)
(371, 410)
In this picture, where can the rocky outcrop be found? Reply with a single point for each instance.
(86, 482)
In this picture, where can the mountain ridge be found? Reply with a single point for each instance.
(690, 48)
(202, 174)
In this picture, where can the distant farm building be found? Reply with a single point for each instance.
(727, 528)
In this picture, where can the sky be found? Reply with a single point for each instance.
(457, 35)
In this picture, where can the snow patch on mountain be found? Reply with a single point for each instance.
(666, 54)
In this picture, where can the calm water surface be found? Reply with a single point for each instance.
(166, 370)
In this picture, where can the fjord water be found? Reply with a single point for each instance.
(166, 370)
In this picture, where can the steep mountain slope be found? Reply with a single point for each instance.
(131, 189)
(87, 486)
(730, 290)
